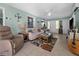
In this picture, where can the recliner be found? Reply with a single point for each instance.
(16, 41)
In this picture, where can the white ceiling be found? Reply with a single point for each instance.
(58, 10)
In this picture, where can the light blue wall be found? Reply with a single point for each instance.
(38, 22)
(77, 18)
(12, 20)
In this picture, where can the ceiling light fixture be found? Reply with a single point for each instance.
(49, 14)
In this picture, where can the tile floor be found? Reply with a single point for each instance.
(60, 49)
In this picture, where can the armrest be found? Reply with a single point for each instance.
(18, 38)
(25, 35)
(18, 41)
(5, 48)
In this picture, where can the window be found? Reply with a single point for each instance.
(1, 17)
(30, 22)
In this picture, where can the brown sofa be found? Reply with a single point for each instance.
(16, 41)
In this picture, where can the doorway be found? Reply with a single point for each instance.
(60, 27)
(71, 24)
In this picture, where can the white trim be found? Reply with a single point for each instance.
(74, 20)
(3, 10)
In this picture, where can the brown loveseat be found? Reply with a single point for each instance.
(16, 41)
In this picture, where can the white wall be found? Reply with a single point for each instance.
(53, 26)
(65, 24)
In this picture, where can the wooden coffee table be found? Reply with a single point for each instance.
(45, 38)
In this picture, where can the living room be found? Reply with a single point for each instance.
(26, 30)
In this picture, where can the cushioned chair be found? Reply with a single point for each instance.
(16, 41)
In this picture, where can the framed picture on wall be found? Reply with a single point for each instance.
(30, 22)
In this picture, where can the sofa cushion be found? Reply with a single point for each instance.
(4, 28)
